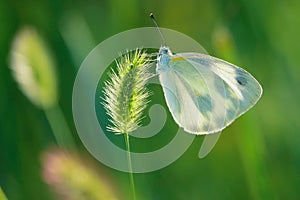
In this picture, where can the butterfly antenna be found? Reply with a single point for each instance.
(154, 21)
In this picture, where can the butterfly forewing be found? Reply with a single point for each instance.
(242, 89)
(205, 94)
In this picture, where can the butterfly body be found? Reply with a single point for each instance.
(205, 94)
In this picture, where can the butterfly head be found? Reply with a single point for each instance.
(164, 55)
(164, 50)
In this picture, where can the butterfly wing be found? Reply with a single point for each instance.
(241, 89)
(205, 94)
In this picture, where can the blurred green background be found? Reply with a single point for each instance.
(257, 157)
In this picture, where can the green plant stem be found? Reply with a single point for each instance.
(2, 195)
(60, 128)
(130, 165)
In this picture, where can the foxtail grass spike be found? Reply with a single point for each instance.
(125, 94)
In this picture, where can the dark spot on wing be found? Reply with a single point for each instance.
(241, 80)
(241, 77)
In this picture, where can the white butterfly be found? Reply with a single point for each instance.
(205, 94)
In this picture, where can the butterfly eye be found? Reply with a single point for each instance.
(164, 51)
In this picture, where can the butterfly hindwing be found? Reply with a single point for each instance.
(181, 99)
